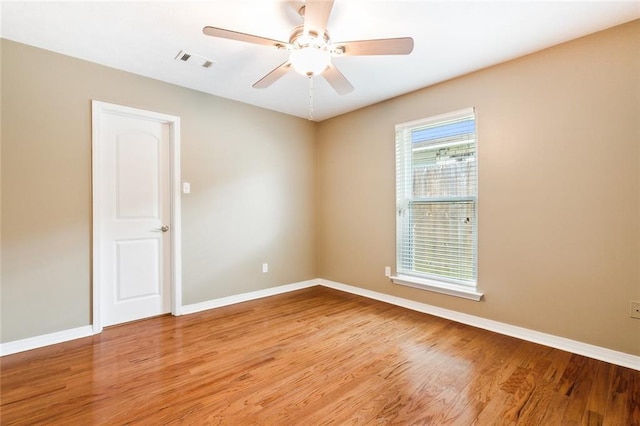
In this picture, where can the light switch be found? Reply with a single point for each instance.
(186, 188)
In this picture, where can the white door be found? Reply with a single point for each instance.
(134, 245)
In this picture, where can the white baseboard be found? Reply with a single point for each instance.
(245, 297)
(573, 346)
(45, 340)
(16, 346)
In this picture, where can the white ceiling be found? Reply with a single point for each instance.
(452, 38)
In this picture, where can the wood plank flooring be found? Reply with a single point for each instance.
(312, 357)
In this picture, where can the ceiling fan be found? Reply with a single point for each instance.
(311, 47)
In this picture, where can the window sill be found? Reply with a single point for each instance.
(438, 287)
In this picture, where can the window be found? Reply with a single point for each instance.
(436, 195)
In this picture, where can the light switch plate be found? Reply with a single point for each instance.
(186, 188)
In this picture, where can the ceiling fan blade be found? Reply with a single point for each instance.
(385, 46)
(273, 76)
(316, 16)
(338, 81)
(247, 38)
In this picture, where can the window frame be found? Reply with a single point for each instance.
(404, 198)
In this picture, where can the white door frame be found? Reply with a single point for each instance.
(97, 109)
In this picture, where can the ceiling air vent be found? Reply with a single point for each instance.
(194, 60)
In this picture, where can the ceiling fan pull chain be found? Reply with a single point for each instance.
(310, 98)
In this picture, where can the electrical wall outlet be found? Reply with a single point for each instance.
(265, 267)
(635, 309)
(387, 271)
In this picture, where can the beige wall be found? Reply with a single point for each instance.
(252, 174)
(559, 169)
(559, 194)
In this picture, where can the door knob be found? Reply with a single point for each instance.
(164, 228)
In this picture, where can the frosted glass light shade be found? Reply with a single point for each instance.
(310, 60)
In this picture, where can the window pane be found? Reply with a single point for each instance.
(444, 172)
(445, 130)
(442, 237)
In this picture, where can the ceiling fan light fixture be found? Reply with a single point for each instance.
(310, 52)
(310, 60)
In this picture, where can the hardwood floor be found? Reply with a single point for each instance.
(311, 357)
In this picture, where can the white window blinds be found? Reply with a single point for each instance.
(436, 195)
